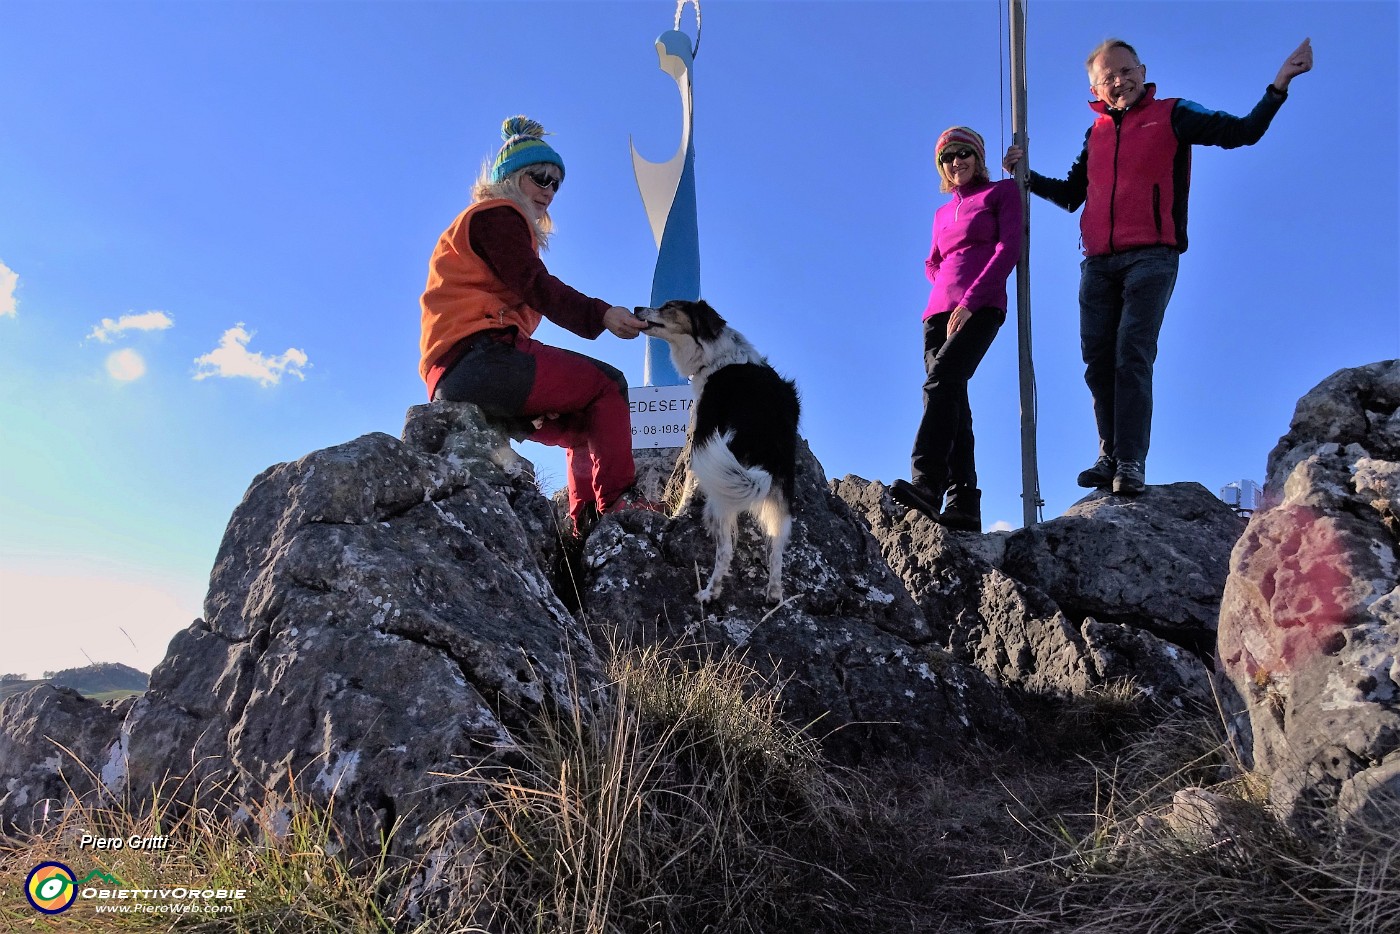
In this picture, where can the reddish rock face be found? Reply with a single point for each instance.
(1310, 621)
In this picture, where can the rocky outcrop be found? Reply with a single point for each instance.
(387, 613)
(1353, 406)
(378, 615)
(1155, 563)
(1310, 622)
(1015, 606)
(862, 664)
(52, 740)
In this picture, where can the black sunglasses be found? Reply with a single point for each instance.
(544, 180)
(949, 155)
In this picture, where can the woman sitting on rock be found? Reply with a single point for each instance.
(487, 291)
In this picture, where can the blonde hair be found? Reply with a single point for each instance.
(1103, 47)
(979, 172)
(508, 188)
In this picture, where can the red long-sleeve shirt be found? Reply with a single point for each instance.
(501, 237)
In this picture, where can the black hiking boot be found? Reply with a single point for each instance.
(1130, 478)
(911, 496)
(1099, 476)
(964, 510)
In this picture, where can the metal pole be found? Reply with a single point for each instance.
(1030, 476)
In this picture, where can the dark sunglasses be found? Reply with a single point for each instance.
(949, 155)
(544, 180)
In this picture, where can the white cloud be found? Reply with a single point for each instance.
(1001, 525)
(233, 358)
(146, 321)
(126, 365)
(9, 279)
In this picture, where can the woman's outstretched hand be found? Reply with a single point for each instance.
(622, 323)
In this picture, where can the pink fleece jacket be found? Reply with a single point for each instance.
(976, 244)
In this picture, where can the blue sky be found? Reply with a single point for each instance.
(215, 222)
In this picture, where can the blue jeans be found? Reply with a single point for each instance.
(1122, 300)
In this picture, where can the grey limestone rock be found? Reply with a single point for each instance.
(1156, 563)
(1359, 405)
(1310, 624)
(378, 618)
(864, 668)
(385, 614)
(53, 744)
(986, 600)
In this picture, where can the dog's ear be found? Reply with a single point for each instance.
(705, 321)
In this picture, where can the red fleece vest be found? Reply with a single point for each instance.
(1132, 194)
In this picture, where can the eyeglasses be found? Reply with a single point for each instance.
(949, 155)
(544, 180)
(1117, 77)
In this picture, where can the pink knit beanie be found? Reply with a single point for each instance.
(961, 136)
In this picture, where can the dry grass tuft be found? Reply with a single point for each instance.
(1183, 841)
(685, 806)
(286, 855)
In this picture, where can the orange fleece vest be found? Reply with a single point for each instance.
(463, 295)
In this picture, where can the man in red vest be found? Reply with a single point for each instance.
(1132, 177)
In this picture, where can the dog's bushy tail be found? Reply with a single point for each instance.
(732, 486)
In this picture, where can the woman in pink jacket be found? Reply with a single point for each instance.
(976, 244)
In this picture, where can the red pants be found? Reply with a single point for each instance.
(516, 376)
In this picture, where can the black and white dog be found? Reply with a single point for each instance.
(742, 434)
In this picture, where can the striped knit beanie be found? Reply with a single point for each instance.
(524, 146)
(959, 136)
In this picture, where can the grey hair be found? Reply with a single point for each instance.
(508, 188)
(1104, 47)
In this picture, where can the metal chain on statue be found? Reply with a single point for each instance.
(680, 6)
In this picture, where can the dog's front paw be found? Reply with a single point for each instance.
(708, 594)
(774, 594)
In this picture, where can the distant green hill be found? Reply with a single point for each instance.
(107, 681)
